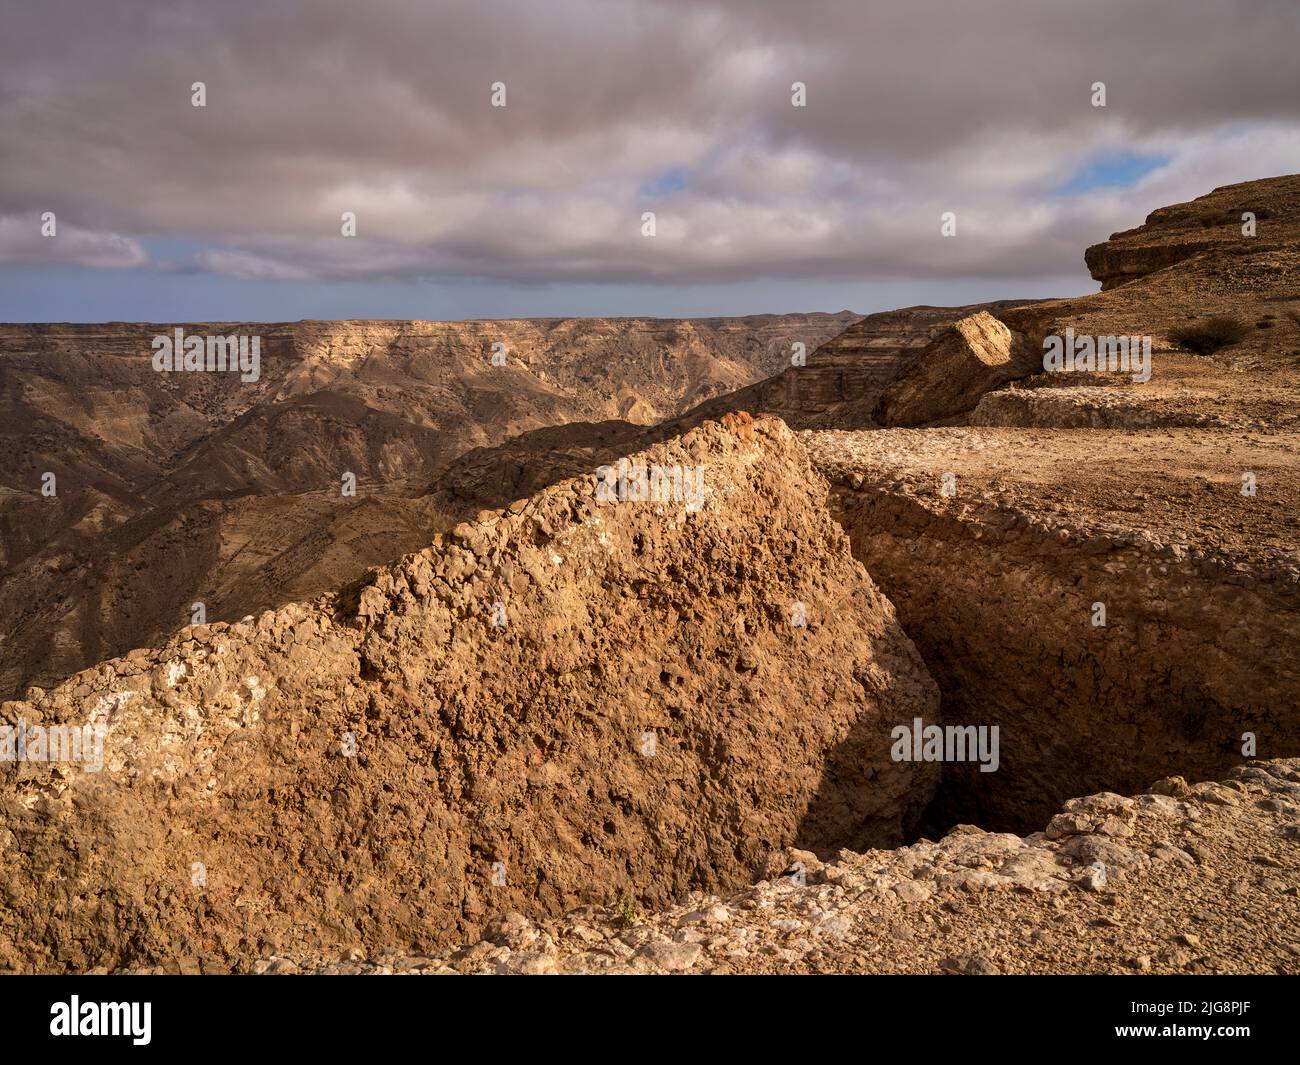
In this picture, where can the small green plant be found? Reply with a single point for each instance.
(624, 910)
(1207, 337)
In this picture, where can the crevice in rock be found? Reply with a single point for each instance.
(1177, 682)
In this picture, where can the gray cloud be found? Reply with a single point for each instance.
(615, 108)
(23, 241)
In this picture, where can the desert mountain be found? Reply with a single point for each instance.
(181, 488)
(840, 383)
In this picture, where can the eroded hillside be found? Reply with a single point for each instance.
(570, 698)
(172, 489)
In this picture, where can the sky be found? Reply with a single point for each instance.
(613, 109)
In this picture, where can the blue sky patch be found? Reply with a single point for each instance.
(1117, 170)
(673, 180)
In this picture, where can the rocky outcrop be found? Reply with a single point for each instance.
(564, 700)
(948, 378)
(840, 384)
(1209, 224)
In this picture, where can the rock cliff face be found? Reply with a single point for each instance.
(1210, 224)
(558, 702)
(1113, 640)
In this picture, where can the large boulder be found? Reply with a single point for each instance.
(953, 371)
(564, 700)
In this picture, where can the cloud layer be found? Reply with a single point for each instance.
(615, 108)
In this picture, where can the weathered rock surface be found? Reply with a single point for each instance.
(638, 714)
(1208, 225)
(971, 357)
(1207, 881)
(997, 545)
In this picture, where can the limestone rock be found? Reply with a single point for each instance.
(444, 767)
(948, 378)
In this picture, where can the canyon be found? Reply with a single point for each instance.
(175, 489)
(921, 522)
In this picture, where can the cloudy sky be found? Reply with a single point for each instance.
(383, 108)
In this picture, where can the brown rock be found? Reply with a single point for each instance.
(952, 373)
(436, 811)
